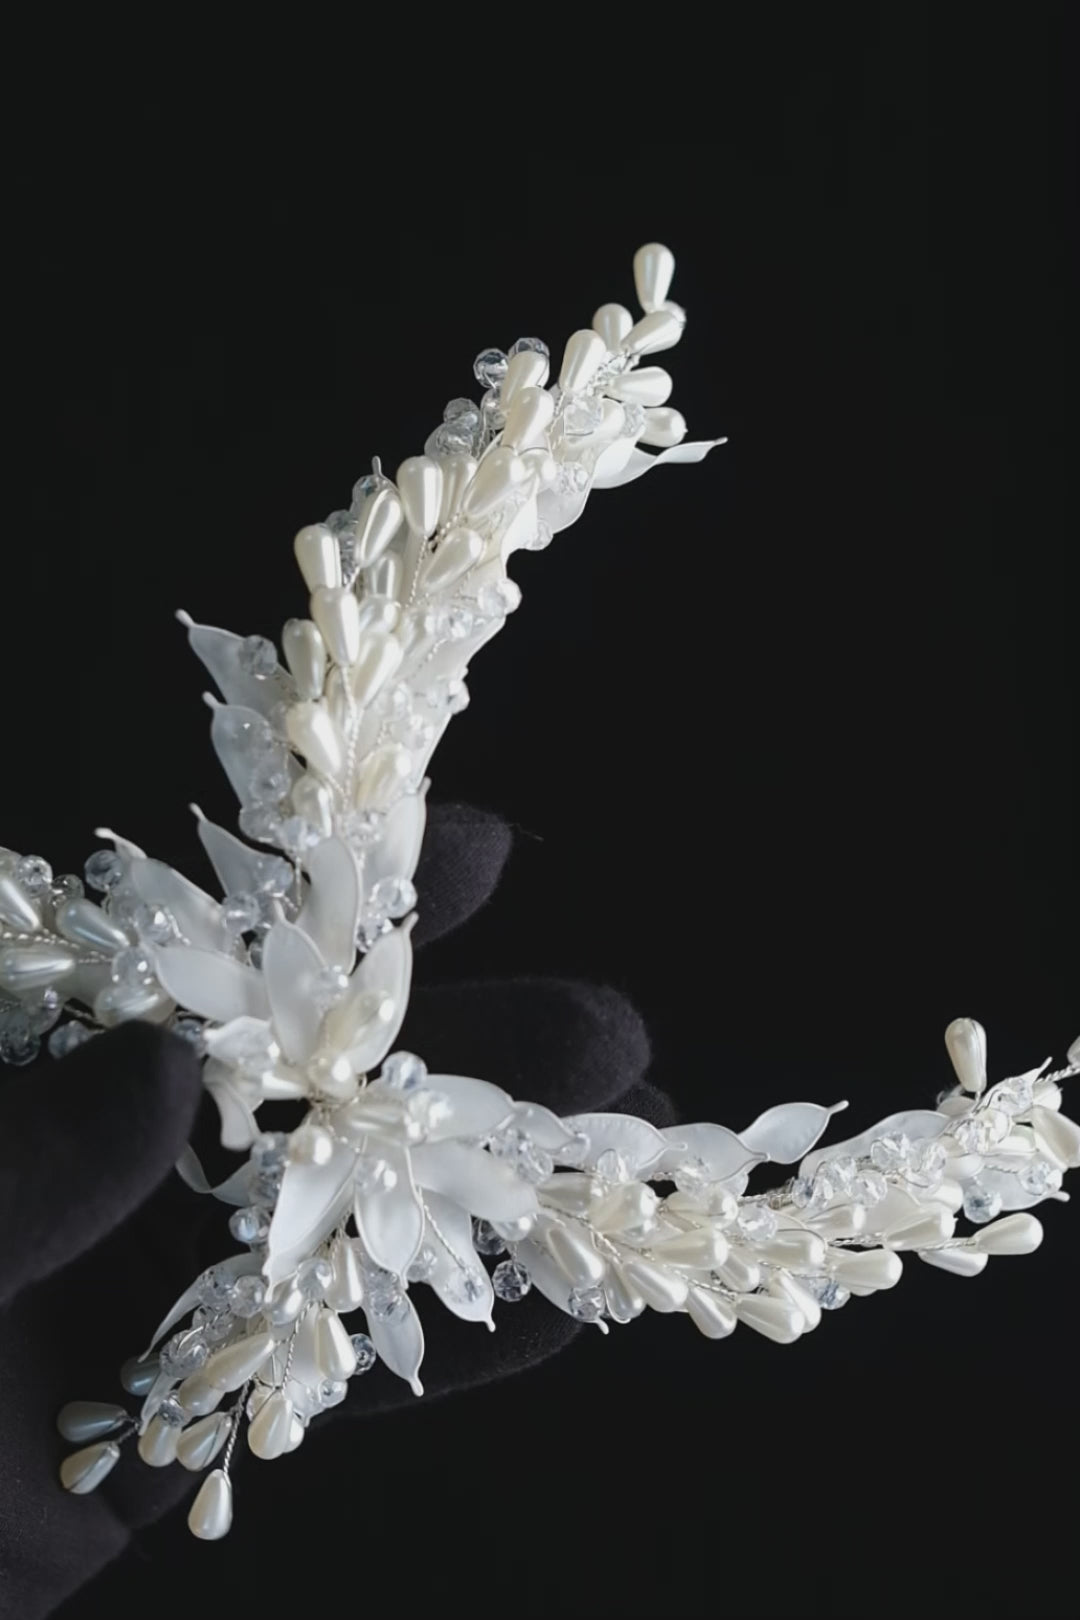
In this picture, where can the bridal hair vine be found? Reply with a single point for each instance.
(295, 985)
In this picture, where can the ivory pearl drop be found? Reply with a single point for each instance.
(137, 1376)
(710, 1313)
(297, 1432)
(419, 482)
(459, 550)
(664, 426)
(661, 1289)
(200, 1443)
(379, 657)
(581, 359)
(458, 474)
(319, 556)
(268, 1431)
(867, 1268)
(573, 1253)
(305, 654)
(612, 322)
(33, 967)
(377, 524)
(658, 330)
(84, 1470)
(965, 1042)
(236, 1363)
(16, 908)
(1059, 1136)
(775, 1319)
(382, 777)
(695, 1248)
(336, 611)
(312, 731)
(198, 1395)
(334, 1353)
(90, 1420)
(528, 418)
(157, 1443)
(497, 476)
(83, 923)
(654, 267)
(740, 1274)
(346, 1289)
(784, 1286)
(383, 578)
(846, 1220)
(649, 385)
(933, 1226)
(1016, 1234)
(210, 1517)
(623, 1301)
(526, 369)
(959, 1262)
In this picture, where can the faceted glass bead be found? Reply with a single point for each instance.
(452, 623)
(103, 870)
(33, 873)
(467, 1286)
(67, 887)
(494, 415)
(448, 695)
(573, 478)
(171, 1413)
(537, 345)
(1040, 1178)
(582, 415)
(365, 1354)
(132, 967)
(44, 1011)
(332, 1392)
(270, 1151)
(389, 1305)
(510, 1281)
(215, 1287)
(633, 420)
(248, 1295)
(268, 779)
(274, 875)
(363, 827)
(259, 822)
(297, 835)
(485, 1238)
(251, 1225)
(457, 438)
(489, 367)
(1015, 1097)
(587, 1304)
(926, 1163)
(981, 1204)
(802, 1192)
(842, 1173)
(869, 1188)
(890, 1152)
(314, 1276)
(241, 913)
(829, 1294)
(423, 1267)
(456, 409)
(497, 600)
(757, 1223)
(67, 1038)
(214, 1325)
(18, 1043)
(693, 1178)
(328, 987)
(153, 923)
(184, 1353)
(542, 537)
(258, 657)
(373, 1174)
(414, 732)
(612, 1166)
(393, 897)
(366, 487)
(404, 1071)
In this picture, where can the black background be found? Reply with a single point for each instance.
(789, 738)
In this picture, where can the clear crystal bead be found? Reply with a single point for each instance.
(534, 1163)
(926, 1163)
(214, 1325)
(457, 410)
(388, 1305)
(33, 873)
(153, 923)
(582, 415)
(414, 732)
(829, 1294)
(573, 478)
(757, 1223)
(274, 875)
(493, 414)
(103, 870)
(423, 1267)
(365, 1354)
(842, 1173)
(393, 897)
(250, 1225)
(298, 835)
(215, 1287)
(328, 987)
(970, 1134)
(467, 1287)
(184, 1353)
(869, 1188)
(447, 695)
(363, 827)
(241, 913)
(485, 1238)
(18, 1043)
(404, 1071)
(981, 1204)
(510, 1281)
(171, 1413)
(132, 967)
(374, 1174)
(489, 368)
(452, 623)
(802, 1191)
(536, 345)
(258, 657)
(314, 1276)
(612, 1166)
(1040, 1178)
(67, 887)
(457, 438)
(268, 777)
(541, 538)
(331, 1393)
(44, 1010)
(890, 1152)
(496, 600)
(633, 420)
(587, 1304)
(260, 822)
(67, 1038)
(248, 1295)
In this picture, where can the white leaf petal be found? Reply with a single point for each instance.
(1008, 1187)
(448, 1234)
(189, 1169)
(197, 915)
(290, 965)
(386, 970)
(919, 1124)
(236, 752)
(237, 866)
(636, 1142)
(237, 1265)
(477, 1107)
(331, 909)
(785, 1133)
(211, 985)
(313, 1198)
(545, 1128)
(400, 1344)
(720, 1150)
(472, 1178)
(640, 462)
(238, 1126)
(219, 651)
(391, 1224)
(398, 850)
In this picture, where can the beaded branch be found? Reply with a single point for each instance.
(295, 984)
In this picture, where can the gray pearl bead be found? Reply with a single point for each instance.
(137, 1376)
(90, 1420)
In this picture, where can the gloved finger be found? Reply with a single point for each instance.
(85, 1145)
(464, 853)
(571, 1046)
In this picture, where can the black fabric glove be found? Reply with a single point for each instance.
(97, 1237)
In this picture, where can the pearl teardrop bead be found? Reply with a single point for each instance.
(1016, 1234)
(654, 267)
(867, 1268)
(664, 427)
(775, 1319)
(581, 359)
(90, 1420)
(233, 1365)
(959, 1262)
(740, 1274)
(965, 1042)
(923, 1232)
(305, 654)
(200, 1443)
(1058, 1136)
(334, 1353)
(661, 1289)
(83, 923)
(419, 482)
(346, 1290)
(198, 1395)
(458, 474)
(612, 322)
(459, 550)
(16, 908)
(319, 556)
(497, 476)
(658, 330)
(84, 1470)
(383, 578)
(311, 730)
(268, 1431)
(710, 1313)
(379, 521)
(382, 777)
(649, 385)
(157, 1443)
(528, 419)
(379, 657)
(785, 1286)
(702, 1247)
(137, 1376)
(33, 967)
(623, 1302)
(336, 611)
(574, 1254)
(210, 1517)
(526, 369)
